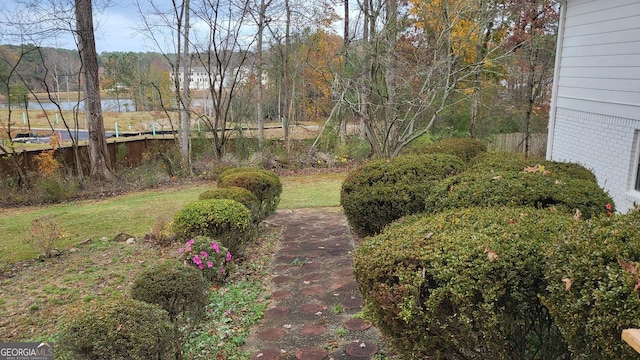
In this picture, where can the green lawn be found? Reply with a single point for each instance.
(137, 213)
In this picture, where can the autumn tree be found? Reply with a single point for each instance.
(532, 45)
(405, 73)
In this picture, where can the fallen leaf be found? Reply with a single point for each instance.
(567, 283)
(491, 255)
(497, 177)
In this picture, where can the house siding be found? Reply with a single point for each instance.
(596, 110)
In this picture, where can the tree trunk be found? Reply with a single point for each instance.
(343, 118)
(259, 114)
(100, 163)
(185, 127)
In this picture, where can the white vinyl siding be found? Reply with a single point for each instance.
(595, 115)
(601, 55)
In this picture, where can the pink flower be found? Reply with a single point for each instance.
(188, 247)
(222, 270)
(196, 260)
(191, 242)
(181, 250)
(200, 266)
(228, 256)
(215, 247)
(608, 206)
(204, 254)
(209, 264)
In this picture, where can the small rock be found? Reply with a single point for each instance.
(73, 250)
(122, 237)
(54, 253)
(130, 241)
(104, 238)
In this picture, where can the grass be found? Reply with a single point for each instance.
(137, 213)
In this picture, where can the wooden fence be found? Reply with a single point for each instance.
(123, 153)
(514, 143)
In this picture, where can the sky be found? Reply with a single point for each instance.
(115, 27)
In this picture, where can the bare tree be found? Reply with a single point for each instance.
(222, 52)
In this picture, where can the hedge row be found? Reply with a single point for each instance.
(511, 258)
(382, 191)
(168, 299)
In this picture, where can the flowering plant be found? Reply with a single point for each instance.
(209, 256)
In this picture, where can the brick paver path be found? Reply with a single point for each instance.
(314, 302)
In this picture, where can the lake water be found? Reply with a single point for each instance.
(108, 105)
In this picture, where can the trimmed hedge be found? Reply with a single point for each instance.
(501, 161)
(265, 185)
(517, 188)
(381, 191)
(463, 148)
(225, 220)
(463, 284)
(117, 330)
(594, 275)
(241, 195)
(179, 289)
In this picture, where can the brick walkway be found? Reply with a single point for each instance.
(312, 314)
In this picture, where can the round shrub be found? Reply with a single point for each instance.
(463, 148)
(210, 258)
(594, 276)
(501, 161)
(265, 185)
(463, 284)
(517, 188)
(381, 191)
(119, 329)
(241, 195)
(179, 289)
(225, 220)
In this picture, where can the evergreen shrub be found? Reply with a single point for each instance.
(179, 289)
(463, 148)
(241, 195)
(519, 188)
(501, 161)
(381, 191)
(594, 278)
(463, 284)
(265, 185)
(117, 330)
(224, 220)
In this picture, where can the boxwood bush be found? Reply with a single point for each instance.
(241, 195)
(265, 185)
(179, 289)
(225, 220)
(501, 161)
(463, 148)
(463, 284)
(381, 191)
(594, 276)
(517, 188)
(116, 330)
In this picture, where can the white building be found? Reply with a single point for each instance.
(595, 108)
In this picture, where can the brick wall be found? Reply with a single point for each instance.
(604, 144)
